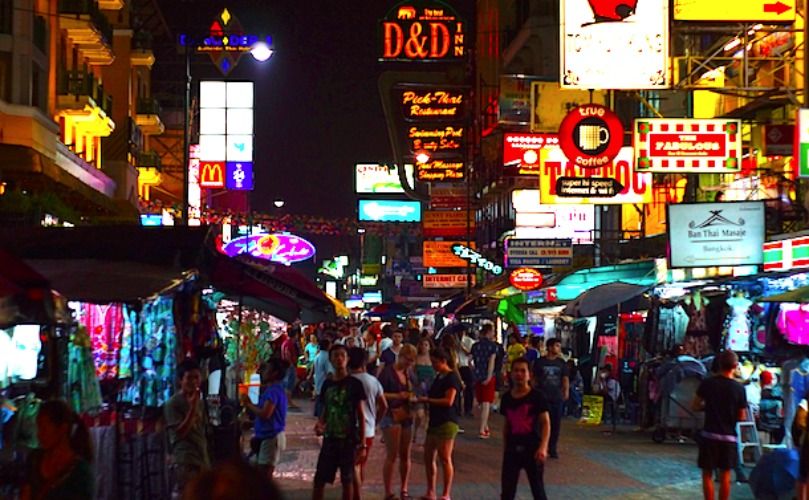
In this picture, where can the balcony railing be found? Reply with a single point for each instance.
(81, 83)
(148, 159)
(88, 8)
(147, 106)
(41, 33)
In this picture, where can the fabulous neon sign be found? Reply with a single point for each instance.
(282, 248)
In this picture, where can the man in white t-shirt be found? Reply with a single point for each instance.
(375, 405)
(464, 368)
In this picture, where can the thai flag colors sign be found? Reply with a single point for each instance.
(667, 146)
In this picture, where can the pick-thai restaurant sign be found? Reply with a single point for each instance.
(716, 234)
(665, 145)
(615, 44)
(431, 104)
(422, 30)
(440, 254)
(446, 280)
(521, 152)
(437, 139)
(637, 186)
(446, 223)
(440, 171)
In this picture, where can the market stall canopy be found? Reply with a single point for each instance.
(799, 296)
(25, 295)
(623, 297)
(643, 273)
(387, 311)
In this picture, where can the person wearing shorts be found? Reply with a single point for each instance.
(271, 415)
(374, 407)
(725, 403)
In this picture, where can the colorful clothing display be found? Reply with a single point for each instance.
(793, 323)
(738, 338)
(105, 324)
(84, 391)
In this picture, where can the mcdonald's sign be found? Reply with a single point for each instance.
(212, 174)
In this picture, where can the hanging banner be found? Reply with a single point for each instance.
(446, 223)
(446, 280)
(690, 145)
(746, 11)
(440, 254)
(550, 104)
(615, 44)
(716, 234)
(521, 152)
(423, 31)
(637, 185)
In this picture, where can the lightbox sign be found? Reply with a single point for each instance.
(783, 255)
(226, 133)
(525, 279)
(452, 223)
(637, 185)
(716, 234)
(212, 174)
(521, 152)
(803, 142)
(389, 211)
(538, 252)
(440, 254)
(446, 280)
(750, 11)
(615, 44)
(591, 135)
(477, 259)
(372, 297)
(239, 175)
(422, 30)
(282, 248)
(670, 146)
(431, 104)
(373, 178)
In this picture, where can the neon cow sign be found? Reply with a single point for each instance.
(282, 248)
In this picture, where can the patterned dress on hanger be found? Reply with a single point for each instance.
(738, 338)
(104, 324)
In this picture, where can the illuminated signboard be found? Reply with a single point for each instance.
(521, 152)
(431, 104)
(448, 196)
(525, 279)
(226, 128)
(436, 139)
(637, 185)
(372, 297)
(281, 247)
(226, 41)
(373, 178)
(537, 221)
(591, 135)
(389, 211)
(777, 11)
(445, 280)
(239, 175)
(440, 254)
(784, 255)
(550, 104)
(451, 223)
(615, 44)
(539, 253)
(422, 30)
(440, 171)
(693, 145)
(212, 174)
(802, 124)
(716, 234)
(467, 254)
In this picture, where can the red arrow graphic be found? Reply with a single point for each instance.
(777, 7)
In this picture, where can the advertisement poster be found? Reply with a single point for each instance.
(689, 145)
(373, 178)
(716, 234)
(440, 254)
(550, 104)
(592, 409)
(615, 45)
(637, 185)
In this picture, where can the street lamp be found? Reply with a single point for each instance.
(261, 51)
(279, 203)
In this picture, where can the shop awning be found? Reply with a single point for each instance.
(340, 309)
(642, 273)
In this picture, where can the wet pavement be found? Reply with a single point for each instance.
(627, 465)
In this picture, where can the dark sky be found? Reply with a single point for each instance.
(318, 110)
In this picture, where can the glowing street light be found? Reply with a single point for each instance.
(422, 157)
(278, 203)
(261, 51)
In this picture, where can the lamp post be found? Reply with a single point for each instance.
(261, 52)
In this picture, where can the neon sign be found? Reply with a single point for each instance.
(281, 248)
(477, 259)
(239, 175)
(423, 30)
(432, 104)
(439, 139)
(440, 171)
(211, 174)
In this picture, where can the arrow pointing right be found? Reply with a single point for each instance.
(777, 7)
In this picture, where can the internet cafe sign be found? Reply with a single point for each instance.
(716, 234)
(670, 146)
(422, 30)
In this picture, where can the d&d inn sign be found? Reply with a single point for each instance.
(422, 30)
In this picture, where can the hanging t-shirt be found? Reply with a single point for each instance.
(793, 323)
(440, 414)
(340, 399)
(268, 428)
(723, 398)
(522, 414)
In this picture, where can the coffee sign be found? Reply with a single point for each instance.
(423, 30)
(591, 135)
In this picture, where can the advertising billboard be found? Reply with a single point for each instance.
(422, 31)
(389, 211)
(373, 178)
(614, 44)
(440, 254)
(637, 185)
(751, 11)
(226, 133)
(521, 152)
(716, 234)
(538, 252)
(538, 221)
(445, 280)
(447, 223)
(688, 145)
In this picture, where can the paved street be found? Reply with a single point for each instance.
(627, 465)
